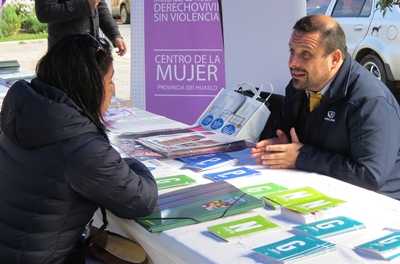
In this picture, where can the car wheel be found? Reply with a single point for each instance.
(125, 15)
(375, 65)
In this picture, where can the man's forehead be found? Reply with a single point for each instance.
(305, 38)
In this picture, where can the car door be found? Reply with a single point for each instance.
(355, 17)
(115, 8)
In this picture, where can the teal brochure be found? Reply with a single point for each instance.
(329, 227)
(295, 248)
(386, 247)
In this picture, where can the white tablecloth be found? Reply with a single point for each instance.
(193, 244)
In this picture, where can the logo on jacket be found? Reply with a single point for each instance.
(330, 116)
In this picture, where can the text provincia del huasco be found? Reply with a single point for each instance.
(188, 87)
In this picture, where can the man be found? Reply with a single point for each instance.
(79, 16)
(354, 132)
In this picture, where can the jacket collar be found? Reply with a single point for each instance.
(339, 85)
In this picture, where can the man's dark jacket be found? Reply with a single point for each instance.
(353, 135)
(74, 17)
(55, 171)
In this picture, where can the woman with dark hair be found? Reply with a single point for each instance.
(56, 163)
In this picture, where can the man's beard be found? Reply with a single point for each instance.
(297, 83)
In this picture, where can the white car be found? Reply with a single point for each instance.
(373, 39)
(121, 9)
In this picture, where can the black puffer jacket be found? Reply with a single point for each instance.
(55, 171)
(74, 17)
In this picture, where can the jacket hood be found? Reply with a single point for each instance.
(36, 114)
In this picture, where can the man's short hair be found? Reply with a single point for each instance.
(332, 35)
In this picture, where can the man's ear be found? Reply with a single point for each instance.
(336, 58)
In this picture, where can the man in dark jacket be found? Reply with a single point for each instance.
(353, 133)
(79, 16)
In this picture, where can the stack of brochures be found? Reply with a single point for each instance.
(9, 66)
(329, 227)
(304, 205)
(8, 79)
(385, 247)
(295, 248)
(158, 167)
(191, 143)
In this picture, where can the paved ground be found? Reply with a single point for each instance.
(29, 52)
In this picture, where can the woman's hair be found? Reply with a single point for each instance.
(77, 64)
(333, 36)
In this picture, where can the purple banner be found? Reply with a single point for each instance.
(184, 57)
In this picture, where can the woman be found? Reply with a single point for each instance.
(56, 163)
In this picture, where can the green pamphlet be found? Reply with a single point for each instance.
(241, 227)
(314, 204)
(304, 205)
(260, 190)
(277, 199)
(173, 181)
(198, 204)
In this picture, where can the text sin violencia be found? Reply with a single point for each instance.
(186, 12)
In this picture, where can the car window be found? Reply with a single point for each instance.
(352, 8)
(366, 11)
(317, 6)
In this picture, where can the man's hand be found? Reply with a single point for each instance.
(278, 153)
(121, 45)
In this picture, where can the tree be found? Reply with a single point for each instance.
(384, 5)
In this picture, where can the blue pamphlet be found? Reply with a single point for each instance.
(230, 174)
(295, 248)
(208, 161)
(201, 157)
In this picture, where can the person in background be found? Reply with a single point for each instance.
(1, 9)
(56, 163)
(353, 132)
(79, 16)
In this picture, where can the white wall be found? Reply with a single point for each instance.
(256, 34)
